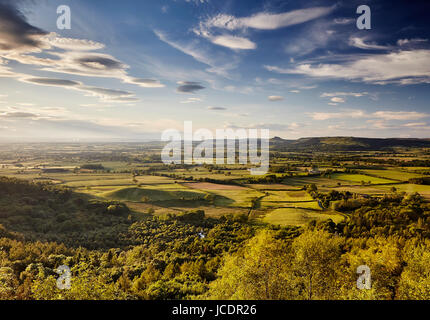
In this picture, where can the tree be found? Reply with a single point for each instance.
(258, 271)
(8, 284)
(383, 256)
(316, 256)
(84, 286)
(414, 281)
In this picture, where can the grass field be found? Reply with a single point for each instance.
(155, 193)
(287, 196)
(300, 205)
(298, 217)
(235, 198)
(294, 182)
(357, 178)
(393, 174)
(409, 188)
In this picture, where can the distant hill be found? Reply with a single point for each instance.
(346, 144)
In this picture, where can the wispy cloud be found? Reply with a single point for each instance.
(403, 67)
(385, 115)
(343, 20)
(266, 20)
(192, 100)
(360, 43)
(234, 42)
(400, 115)
(411, 42)
(337, 94)
(214, 28)
(218, 64)
(337, 115)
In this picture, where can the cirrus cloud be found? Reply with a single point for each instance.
(266, 20)
(402, 67)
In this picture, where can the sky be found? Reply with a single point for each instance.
(128, 70)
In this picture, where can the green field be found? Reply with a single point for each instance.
(393, 174)
(358, 178)
(298, 217)
(235, 198)
(409, 188)
(155, 193)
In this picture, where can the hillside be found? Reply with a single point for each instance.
(346, 144)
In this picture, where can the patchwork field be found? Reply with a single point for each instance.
(298, 217)
(152, 188)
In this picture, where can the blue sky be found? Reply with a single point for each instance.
(128, 70)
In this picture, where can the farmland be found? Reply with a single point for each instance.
(133, 175)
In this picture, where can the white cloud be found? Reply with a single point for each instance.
(337, 115)
(343, 20)
(73, 44)
(335, 94)
(242, 90)
(402, 42)
(144, 83)
(415, 124)
(400, 115)
(210, 28)
(25, 104)
(359, 43)
(337, 100)
(336, 97)
(314, 37)
(275, 98)
(404, 67)
(265, 20)
(380, 124)
(379, 115)
(234, 42)
(192, 100)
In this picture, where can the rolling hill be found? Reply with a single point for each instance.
(346, 144)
